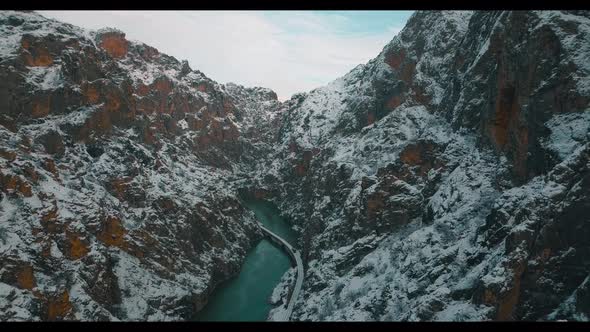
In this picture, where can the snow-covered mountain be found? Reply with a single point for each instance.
(115, 172)
(446, 179)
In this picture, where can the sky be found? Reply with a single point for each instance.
(286, 51)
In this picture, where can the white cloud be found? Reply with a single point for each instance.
(298, 52)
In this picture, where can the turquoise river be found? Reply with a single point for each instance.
(246, 297)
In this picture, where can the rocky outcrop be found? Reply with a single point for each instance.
(114, 43)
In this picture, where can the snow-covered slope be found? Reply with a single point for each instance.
(115, 168)
(446, 179)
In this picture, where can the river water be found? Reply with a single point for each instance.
(245, 297)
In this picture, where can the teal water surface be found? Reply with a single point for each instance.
(245, 297)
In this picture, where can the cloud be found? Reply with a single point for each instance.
(288, 52)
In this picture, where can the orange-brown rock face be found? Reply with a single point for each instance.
(214, 132)
(49, 165)
(506, 300)
(422, 155)
(41, 58)
(9, 183)
(162, 85)
(113, 233)
(506, 130)
(506, 115)
(25, 189)
(398, 62)
(99, 123)
(26, 278)
(75, 247)
(113, 102)
(509, 300)
(142, 90)
(114, 44)
(35, 54)
(59, 307)
(12, 184)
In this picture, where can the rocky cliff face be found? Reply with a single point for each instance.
(446, 179)
(115, 169)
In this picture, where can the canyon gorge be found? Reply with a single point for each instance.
(445, 179)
